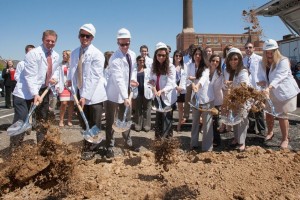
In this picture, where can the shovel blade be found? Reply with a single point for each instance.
(120, 126)
(93, 135)
(18, 128)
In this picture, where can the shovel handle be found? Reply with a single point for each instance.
(43, 95)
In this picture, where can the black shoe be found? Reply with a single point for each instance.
(88, 155)
(251, 131)
(110, 153)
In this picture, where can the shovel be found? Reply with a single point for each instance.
(121, 126)
(92, 135)
(213, 111)
(20, 126)
(160, 108)
(197, 103)
(230, 119)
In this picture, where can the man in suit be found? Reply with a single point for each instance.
(40, 70)
(87, 79)
(251, 61)
(122, 76)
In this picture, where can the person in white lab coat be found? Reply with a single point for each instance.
(121, 77)
(275, 74)
(40, 70)
(251, 61)
(163, 81)
(90, 83)
(199, 75)
(20, 65)
(236, 73)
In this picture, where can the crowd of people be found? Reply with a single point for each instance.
(110, 83)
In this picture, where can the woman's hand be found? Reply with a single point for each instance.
(262, 83)
(158, 93)
(192, 78)
(195, 87)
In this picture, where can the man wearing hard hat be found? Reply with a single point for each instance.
(86, 78)
(122, 75)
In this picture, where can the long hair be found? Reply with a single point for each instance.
(161, 69)
(201, 67)
(219, 69)
(276, 58)
(180, 53)
(139, 57)
(226, 49)
(68, 52)
(240, 66)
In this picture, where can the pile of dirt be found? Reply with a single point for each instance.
(53, 170)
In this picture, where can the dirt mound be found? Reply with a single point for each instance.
(53, 170)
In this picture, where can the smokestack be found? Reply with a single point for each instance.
(188, 26)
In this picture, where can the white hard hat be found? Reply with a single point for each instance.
(161, 45)
(270, 44)
(89, 28)
(123, 33)
(234, 50)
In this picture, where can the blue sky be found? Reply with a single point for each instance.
(149, 21)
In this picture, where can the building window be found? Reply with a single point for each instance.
(200, 40)
(230, 40)
(216, 40)
(208, 40)
(238, 40)
(224, 40)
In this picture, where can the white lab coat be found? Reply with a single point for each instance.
(118, 76)
(19, 69)
(242, 77)
(205, 93)
(34, 73)
(190, 71)
(253, 69)
(167, 83)
(217, 83)
(148, 93)
(183, 79)
(94, 82)
(281, 78)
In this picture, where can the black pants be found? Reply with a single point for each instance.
(216, 118)
(258, 119)
(93, 114)
(163, 122)
(8, 91)
(22, 107)
(115, 110)
(42, 113)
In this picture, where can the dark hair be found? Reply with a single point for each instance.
(202, 65)
(49, 32)
(161, 69)
(248, 43)
(226, 49)
(181, 62)
(143, 46)
(219, 69)
(107, 56)
(240, 66)
(29, 46)
(139, 57)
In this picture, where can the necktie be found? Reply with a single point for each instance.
(49, 70)
(249, 62)
(128, 58)
(79, 69)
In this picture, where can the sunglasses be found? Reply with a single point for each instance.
(248, 47)
(86, 36)
(215, 61)
(124, 45)
(178, 56)
(161, 55)
(141, 60)
(234, 59)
